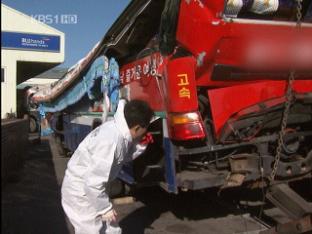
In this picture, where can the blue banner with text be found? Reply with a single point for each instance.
(26, 41)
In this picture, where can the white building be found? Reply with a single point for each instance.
(44, 79)
(28, 48)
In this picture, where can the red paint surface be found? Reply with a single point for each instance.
(252, 45)
(181, 85)
(225, 102)
(142, 83)
(249, 45)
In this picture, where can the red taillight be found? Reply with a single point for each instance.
(187, 126)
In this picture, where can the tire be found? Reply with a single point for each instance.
(33, 125)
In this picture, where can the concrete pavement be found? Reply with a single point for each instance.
(31, 204)
(31, 200)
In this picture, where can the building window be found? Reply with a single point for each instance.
(2, 75)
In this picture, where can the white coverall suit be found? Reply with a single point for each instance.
(97, 160)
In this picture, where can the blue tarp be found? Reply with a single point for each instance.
(107, 73)
(110, 85)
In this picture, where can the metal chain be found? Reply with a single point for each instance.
(288, 102)
(289, 97)
(299, 12)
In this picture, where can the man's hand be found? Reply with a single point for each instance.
(109, 216)
(147, 139)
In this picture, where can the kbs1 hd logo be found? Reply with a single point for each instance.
(56, 19)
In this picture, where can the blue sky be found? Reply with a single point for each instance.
(94, 18)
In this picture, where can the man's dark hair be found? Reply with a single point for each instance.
(138, 112)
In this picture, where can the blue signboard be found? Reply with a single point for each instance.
(26, 41)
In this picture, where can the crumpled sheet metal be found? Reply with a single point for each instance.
(50, 93)
(101, 68)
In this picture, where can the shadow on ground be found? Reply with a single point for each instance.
(186, 208)
(31, 202)
(197, 212)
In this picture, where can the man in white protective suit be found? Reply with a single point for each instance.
(98, 160)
